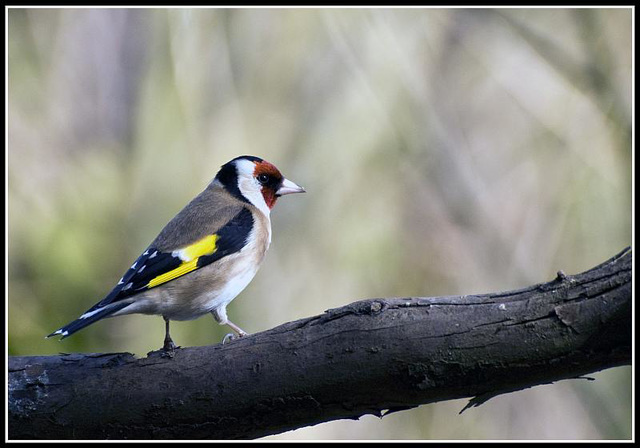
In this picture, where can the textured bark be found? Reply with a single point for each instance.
(364, 358)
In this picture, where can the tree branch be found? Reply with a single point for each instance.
(364, 358)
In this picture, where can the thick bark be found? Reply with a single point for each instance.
(366, 357)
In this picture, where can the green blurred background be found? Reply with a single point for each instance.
(444, 151)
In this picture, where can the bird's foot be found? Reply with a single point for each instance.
(232, 337)
(229, 337)
(165, 351)
(168, 350)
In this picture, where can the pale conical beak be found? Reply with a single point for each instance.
(289, 187)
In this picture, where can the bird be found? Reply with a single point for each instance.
(205, 256)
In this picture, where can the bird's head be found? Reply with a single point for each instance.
(255, 180)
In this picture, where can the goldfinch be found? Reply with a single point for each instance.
(205, 256)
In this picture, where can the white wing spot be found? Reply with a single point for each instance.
(154, 254)
(181, 254)
(90, 313)
(133, 266)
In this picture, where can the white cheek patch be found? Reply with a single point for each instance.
(249, 186)
(245, 168)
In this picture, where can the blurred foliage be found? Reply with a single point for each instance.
(444, 151)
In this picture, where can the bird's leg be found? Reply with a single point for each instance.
(237, 329)
(230, 336)
(220, 315)
(169, 346)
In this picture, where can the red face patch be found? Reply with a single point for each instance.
(270, 178)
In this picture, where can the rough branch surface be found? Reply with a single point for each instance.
(364, 358)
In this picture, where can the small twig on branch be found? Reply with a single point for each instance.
(370, 357)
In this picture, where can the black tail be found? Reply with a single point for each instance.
(82, 322)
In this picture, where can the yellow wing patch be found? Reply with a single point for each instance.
(206, 246)
(189, 256)
(174, 273)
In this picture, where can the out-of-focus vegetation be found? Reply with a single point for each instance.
(444, 151)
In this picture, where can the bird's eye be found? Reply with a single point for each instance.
(263, 178)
